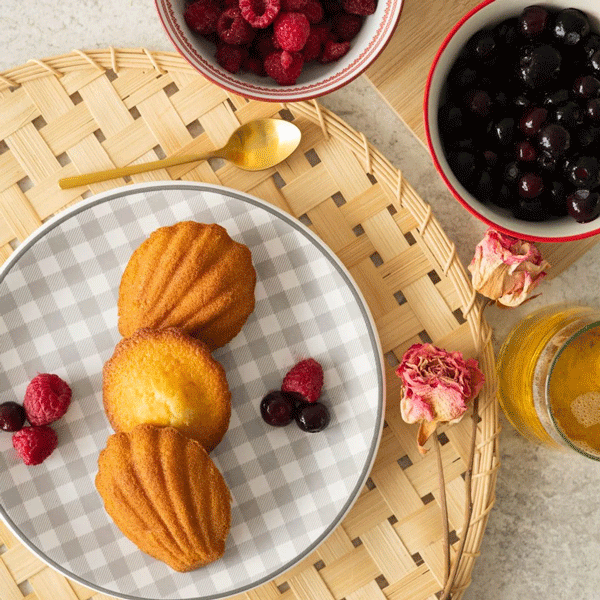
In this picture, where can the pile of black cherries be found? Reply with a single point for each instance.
(520, 123)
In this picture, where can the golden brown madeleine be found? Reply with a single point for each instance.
(165, 377)
(166, 495)
(192, 276)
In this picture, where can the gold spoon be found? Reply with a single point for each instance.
(257, 145)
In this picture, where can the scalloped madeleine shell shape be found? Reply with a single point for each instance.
(192, 276)
(166, 495)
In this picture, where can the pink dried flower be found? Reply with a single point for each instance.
(506, 268)
(437, 387)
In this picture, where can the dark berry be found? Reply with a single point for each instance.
(506, 33)
(531, 185)
(482, 46)
(532, 21)
(512, 172)
(595, 61)
(557, 98)
(504, 131)
(278, 408)
(462, 78)
(591, 44)
(463, 165)
(586, 136)
(592, 110)
(526, 152)
(539, 66)
(312, 417)
(571, 26)
(532, 121)
(491, 158)
(484, 187)
(587, 86)
(554, 139)
(584, 205)
(522, 101)
(547, 162)
(500, 100)
(479, 103)
(569, 115)
(12, 416)
(584, 172)
(451, 117)
(557, 199)
(506, 197)
(530, 209)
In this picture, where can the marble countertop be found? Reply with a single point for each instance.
(543, 537)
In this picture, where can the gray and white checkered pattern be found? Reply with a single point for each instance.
(58, 307)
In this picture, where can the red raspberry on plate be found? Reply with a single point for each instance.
(291, 31)
(202, 16)
(333, 51)
(347, 26)
(282, 75)
(313, 11)
(35, 444)
(233, 28)
(260, 13)
(230, 57)
(254, 65)
(360, 7)
(305, 378)
(47, 399)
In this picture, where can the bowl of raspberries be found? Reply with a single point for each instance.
(512, 116)
(280, 50)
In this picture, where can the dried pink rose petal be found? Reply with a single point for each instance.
(437, 387)
(506, 269)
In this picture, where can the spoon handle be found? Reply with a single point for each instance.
(95, 177)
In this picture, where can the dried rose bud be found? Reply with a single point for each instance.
(506, 269)
(436, 387)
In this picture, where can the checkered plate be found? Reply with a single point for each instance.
(58, 307)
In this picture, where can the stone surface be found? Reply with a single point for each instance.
(542, 539)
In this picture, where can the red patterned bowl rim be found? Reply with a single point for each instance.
(236, 85)
(440, 169)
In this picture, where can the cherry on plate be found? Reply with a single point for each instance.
(312, 417)
(12, 416)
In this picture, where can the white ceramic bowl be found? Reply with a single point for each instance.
(488, 14)
(315, 80)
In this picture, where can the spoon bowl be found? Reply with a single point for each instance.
(257, 145)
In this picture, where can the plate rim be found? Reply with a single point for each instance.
(131, 189)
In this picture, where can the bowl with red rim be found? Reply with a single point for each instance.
(487, 15)
(315, 80)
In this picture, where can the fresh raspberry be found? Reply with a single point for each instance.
(233, 28)
(35, 444)
(230, 57)
(312, 48)
(286, 59)
(293, 5)
(291, 31)
(202, 16)
(347, 26)
(360, 7)
(333, 51)
(254, 65)
(47, 399)
(260, 13)
(305, 378)
(281, 75)
(313, 11)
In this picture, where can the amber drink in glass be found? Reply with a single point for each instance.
(549, 378)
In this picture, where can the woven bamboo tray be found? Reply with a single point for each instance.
(80, 112)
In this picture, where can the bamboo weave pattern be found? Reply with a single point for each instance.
(97, 110)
